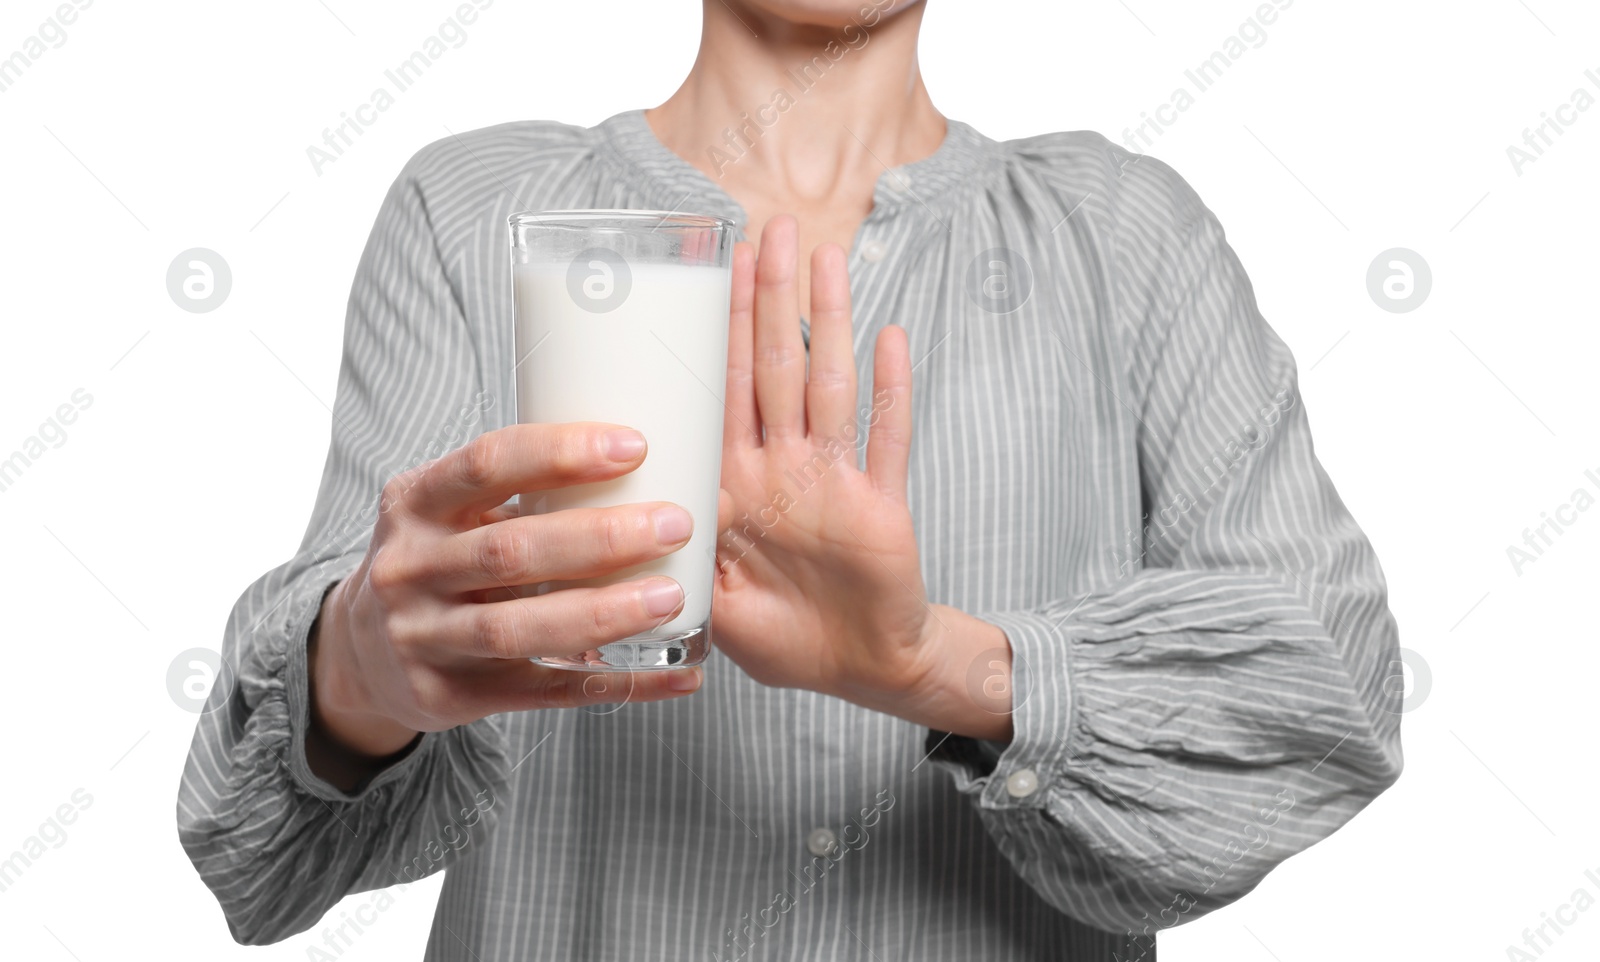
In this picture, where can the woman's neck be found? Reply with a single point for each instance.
(788, 116)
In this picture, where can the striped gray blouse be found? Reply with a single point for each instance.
(1111, 463)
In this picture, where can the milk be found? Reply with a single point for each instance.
(657, 362)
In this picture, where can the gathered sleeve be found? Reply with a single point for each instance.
(1221, 704)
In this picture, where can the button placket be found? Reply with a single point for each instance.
(821, 841)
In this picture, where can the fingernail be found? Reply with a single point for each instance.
(624, 445)
(673, 524)
(681, 679)
(662, 597)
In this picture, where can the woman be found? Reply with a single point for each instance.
(1081, 647)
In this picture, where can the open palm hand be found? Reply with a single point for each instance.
(819, 583)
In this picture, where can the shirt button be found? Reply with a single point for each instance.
(1022, 783)
(901, 181)
(821, 841)
(874, 251)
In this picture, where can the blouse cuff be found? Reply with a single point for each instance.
(295, 674)
(1019, 775)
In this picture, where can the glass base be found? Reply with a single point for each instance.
(682, 650)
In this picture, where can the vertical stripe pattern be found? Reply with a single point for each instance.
(1111, 463)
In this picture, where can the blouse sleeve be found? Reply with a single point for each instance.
(1221, 705)
(277, 845)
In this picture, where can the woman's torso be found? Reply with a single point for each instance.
(680, 829)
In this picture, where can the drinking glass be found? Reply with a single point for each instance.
(622, 316)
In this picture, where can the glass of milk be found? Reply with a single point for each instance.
(622, 316)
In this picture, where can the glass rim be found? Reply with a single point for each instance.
(592, 219)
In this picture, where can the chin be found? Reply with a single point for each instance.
(829, 13)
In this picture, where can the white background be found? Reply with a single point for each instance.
(1357, 127)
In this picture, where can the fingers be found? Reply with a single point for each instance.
(889, 438)
(524, 686)
(502, 513)
(742, 426)
(498, 465)
(780, 359)
(561, 546)
(566, 622)
(831, 381)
